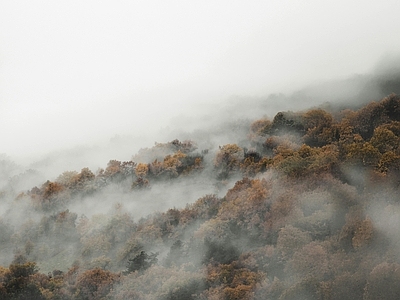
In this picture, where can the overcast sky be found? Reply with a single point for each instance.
(78, 71)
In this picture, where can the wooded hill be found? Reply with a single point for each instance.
(311, 212)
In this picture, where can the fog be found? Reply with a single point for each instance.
(168, 85)
(88, 73)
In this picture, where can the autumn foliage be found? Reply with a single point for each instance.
(306, 207)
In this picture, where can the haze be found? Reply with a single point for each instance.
(78, 72)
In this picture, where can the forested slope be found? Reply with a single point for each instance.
(305, 207)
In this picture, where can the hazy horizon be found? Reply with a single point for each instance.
(199, 150)
(80, 73)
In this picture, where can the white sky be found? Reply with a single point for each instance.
(77, 71)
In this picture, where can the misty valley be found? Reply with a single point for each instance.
(304, 205)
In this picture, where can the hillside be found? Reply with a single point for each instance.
(304, 206)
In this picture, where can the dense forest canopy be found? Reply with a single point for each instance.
(304, 206)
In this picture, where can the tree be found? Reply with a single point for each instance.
(140, 183)
(95, 284)
(290, 240)
(117, 171)
(253, 163)
(176, 254)
(363, 154)
(172, 163)
(348, 286)
(228, 159)
(316, 123)
(49, 196)
(222, 251)
(285, 122)
(141, 170)
(310, 260)
(391, 105)
(141, 262)
(261, 127)
(368, 118)
(383, 282)
(236, 281)
(384, 140)
(18, 283)
(389, 162)
(67, 178)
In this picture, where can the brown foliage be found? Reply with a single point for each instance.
(238, 282)
(51, 190)
(141, 170)
(317, 123)
(385, 140)
(261, 127)
(306, 160)
(245, 203)
(49, 196)
(358, 230)
(347, 286)
(229, 157)
(383, 282)
(251, 166)
(364, 154)
(310, 260)
(389, 162)
(363, 233)
(95, 284)
(113, 167)
(290, 240)
(367, 118)
(67, 178)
